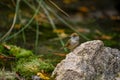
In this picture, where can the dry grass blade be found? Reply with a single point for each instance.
(14, 20)
(58, 8)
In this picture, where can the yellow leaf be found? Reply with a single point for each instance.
(63, 35)
(58, 31)
(17, 26)
(43, 76)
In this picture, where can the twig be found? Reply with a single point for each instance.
(6, 57)
(58, 8)
(17, 76)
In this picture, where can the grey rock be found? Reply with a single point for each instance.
(35, 77)
(89, 61)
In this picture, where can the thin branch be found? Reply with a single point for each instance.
(58, 8)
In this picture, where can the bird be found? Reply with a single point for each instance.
(73, 42)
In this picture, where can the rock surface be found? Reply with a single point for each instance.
(89, 61)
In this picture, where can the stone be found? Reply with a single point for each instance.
(89, 61)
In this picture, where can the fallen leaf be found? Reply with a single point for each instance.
(69, 1)
(60, 54)
(17, 26)
(58, 31)
(106, 37)
(2, 57)
(7, 46)
(83, 30)
(43, 76)
(115, 17)
(98, 32)
(61, 33)
(41, 18)
(83, 9)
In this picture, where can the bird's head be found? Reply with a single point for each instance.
(74, 36)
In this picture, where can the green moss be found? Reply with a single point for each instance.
(32, 65)
(19, 52)
(26, 63)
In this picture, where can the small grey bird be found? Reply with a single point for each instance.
(73, 42)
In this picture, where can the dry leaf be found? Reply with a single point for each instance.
(41, 18)
(98, 32)
(7, 46)
(2, 57)
(83, 30)
(83, 9)
(60, 54)
(69, 1)
(106, 37)
(115, 17)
